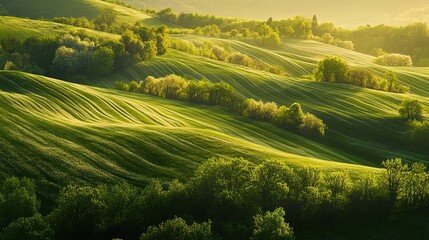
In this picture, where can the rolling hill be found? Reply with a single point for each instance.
(355, 116)
(58, 132)
(74, 8)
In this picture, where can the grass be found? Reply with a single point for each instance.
(74, 8)
(362, 122)
(25, 28)
(58, 132)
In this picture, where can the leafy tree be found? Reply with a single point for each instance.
(17, 199)
(331, 69)
(272, 225)
(149, 50)
(293, 116)
(269, 181)
(222, 183)
(177, 228)
(108, 16)
(415, 190)
(419, 132)
(393, 176)
(10, 66)
(29, 228)
(79, 212)
(411, 109)
(102, 61)
(312, 126)
(133, 45)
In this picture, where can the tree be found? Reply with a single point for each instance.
(411, 109)
(272, 225)
(108, 16)
(331, 69)
(29, 228)
(312, 126)
(17, 199)
(178, 229)
(102, 61)
(392, 80)
(315, 25)
(393, 176)
(270, 182)
(79, 212)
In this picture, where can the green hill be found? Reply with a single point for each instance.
(58, 132)
(362, 122)
(37, 9)
(25, 28)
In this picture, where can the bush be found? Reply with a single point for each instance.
(394, 59)
(419, 132)
(411, 109)
(272, 225)
(179, 230)
(312, 126)
(29, 228)
(331, 69)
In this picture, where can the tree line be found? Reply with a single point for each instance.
(377, 40)
(224, 199)
(80, 53)
(337, 70)
(172, 86)
(224, 54)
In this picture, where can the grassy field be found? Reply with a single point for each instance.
(58, 132)
(25, 28)
(362, 122)
(74, 8)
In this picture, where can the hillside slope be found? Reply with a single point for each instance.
(361, 122)
(57, 132)
(37, 9)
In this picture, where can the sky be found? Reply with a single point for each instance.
(345, 13)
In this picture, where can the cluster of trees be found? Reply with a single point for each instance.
(337, 70)
(225, 54)
(267, 33)
(225, 199)
(291, 118)
(377, 40)
(80, 53)
(394, 59)
(410, 40)
(222, 94)
(107, 21)
(412, 110)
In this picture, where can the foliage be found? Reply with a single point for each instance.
(272, 225)
(209, 50)
(393, 176)
(78, 213)
(29, 228)
(411, 109)
(222, 94)
(419, 132)
(312, 126)
(394, 59)
(336, 69)
(17, 199)
(178, 229)
(331, 69)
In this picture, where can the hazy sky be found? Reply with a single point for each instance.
(347, 13)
